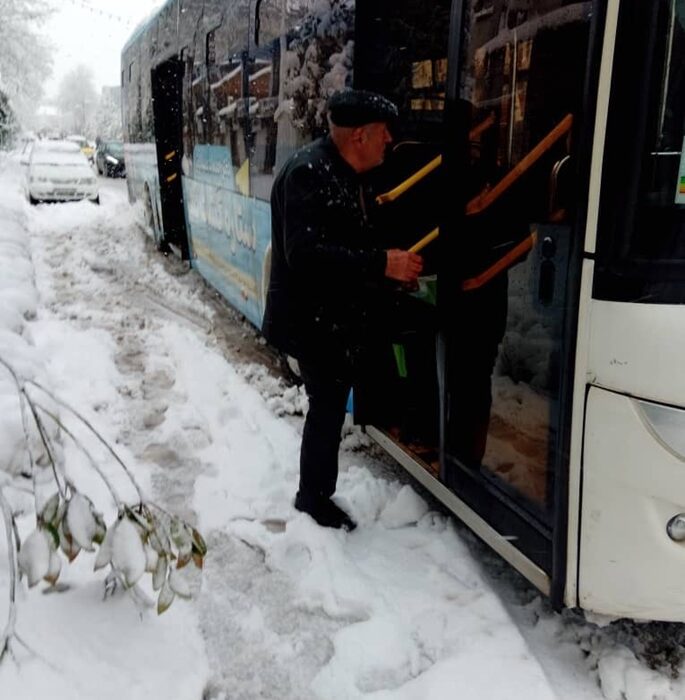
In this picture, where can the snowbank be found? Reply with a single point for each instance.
(18, 303)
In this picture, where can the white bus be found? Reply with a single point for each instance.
(543, 141)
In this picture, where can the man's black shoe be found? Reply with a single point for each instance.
(326, 513)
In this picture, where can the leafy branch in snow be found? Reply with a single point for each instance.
(143, 538)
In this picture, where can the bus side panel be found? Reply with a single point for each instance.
(143, 186)
(228, 232)
(633, 484)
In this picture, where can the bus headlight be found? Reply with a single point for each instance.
(676, 527)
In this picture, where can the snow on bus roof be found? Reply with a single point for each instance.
(552, 20)
(145, 23)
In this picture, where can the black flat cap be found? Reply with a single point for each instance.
(359, 107)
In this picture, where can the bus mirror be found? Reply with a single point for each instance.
(257, 8)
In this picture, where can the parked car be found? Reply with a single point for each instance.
(109, 159)
(57, 171)
(83, 143)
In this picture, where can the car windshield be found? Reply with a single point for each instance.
(80, 141)
(116, 148)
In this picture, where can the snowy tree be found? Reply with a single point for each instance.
(8, 122)
(25, 58)
(78, 100)
(318, 62)
(108, 116)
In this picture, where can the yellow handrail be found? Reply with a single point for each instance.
(393, 194)
(428, 238)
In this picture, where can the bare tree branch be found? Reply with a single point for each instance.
(9, 633)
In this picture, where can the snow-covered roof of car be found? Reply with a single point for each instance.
(56, 146)
(57, 153)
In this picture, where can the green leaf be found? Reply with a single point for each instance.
(54, 569)
(50, 509)
(179, 533)
(66, 541)
(198, 560)
(199, 545)
(166, 598)
(104, 555)
(100, 529)
(184, 556)
(139, 519)
(159, 576)
(156, 542)
(34, 556)
(178, 584)
(49, 527)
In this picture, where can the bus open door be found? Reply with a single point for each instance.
(504, 295)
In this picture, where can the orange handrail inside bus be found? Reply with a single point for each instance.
(398, 191)
(486, 198)
(502, 264)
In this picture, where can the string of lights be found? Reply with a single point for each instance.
(102, 13)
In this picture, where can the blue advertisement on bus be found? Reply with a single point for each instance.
(228, 232)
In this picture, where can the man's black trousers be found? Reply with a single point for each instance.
(328, 387)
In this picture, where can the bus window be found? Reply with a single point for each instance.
(198, 95)
(225, 68)
(641, 248)
(522, 74)
(401, 52)
(263, 100)
(316, 49)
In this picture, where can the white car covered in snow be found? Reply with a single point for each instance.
(58, 172)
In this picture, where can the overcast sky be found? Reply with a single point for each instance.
(92, 32)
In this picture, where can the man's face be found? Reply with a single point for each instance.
(373, 141)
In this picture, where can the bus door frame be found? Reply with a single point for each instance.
(167, 98)
(485, 501)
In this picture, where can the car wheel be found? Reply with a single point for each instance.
(96, 200)
(32, 200)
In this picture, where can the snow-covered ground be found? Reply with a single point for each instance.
(407, 606)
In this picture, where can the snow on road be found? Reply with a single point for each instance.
(399, 609)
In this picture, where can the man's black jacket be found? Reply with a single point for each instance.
(323, 264)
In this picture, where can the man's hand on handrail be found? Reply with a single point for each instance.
(403, 266)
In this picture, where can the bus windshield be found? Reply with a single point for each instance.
(642, 242)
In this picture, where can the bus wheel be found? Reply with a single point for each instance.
(147, 211)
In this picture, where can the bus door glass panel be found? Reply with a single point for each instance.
(641, 236)
(522, 71)
(401, 53)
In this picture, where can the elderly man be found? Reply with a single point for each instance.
(324, 267)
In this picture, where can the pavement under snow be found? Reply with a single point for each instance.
(407, 606)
